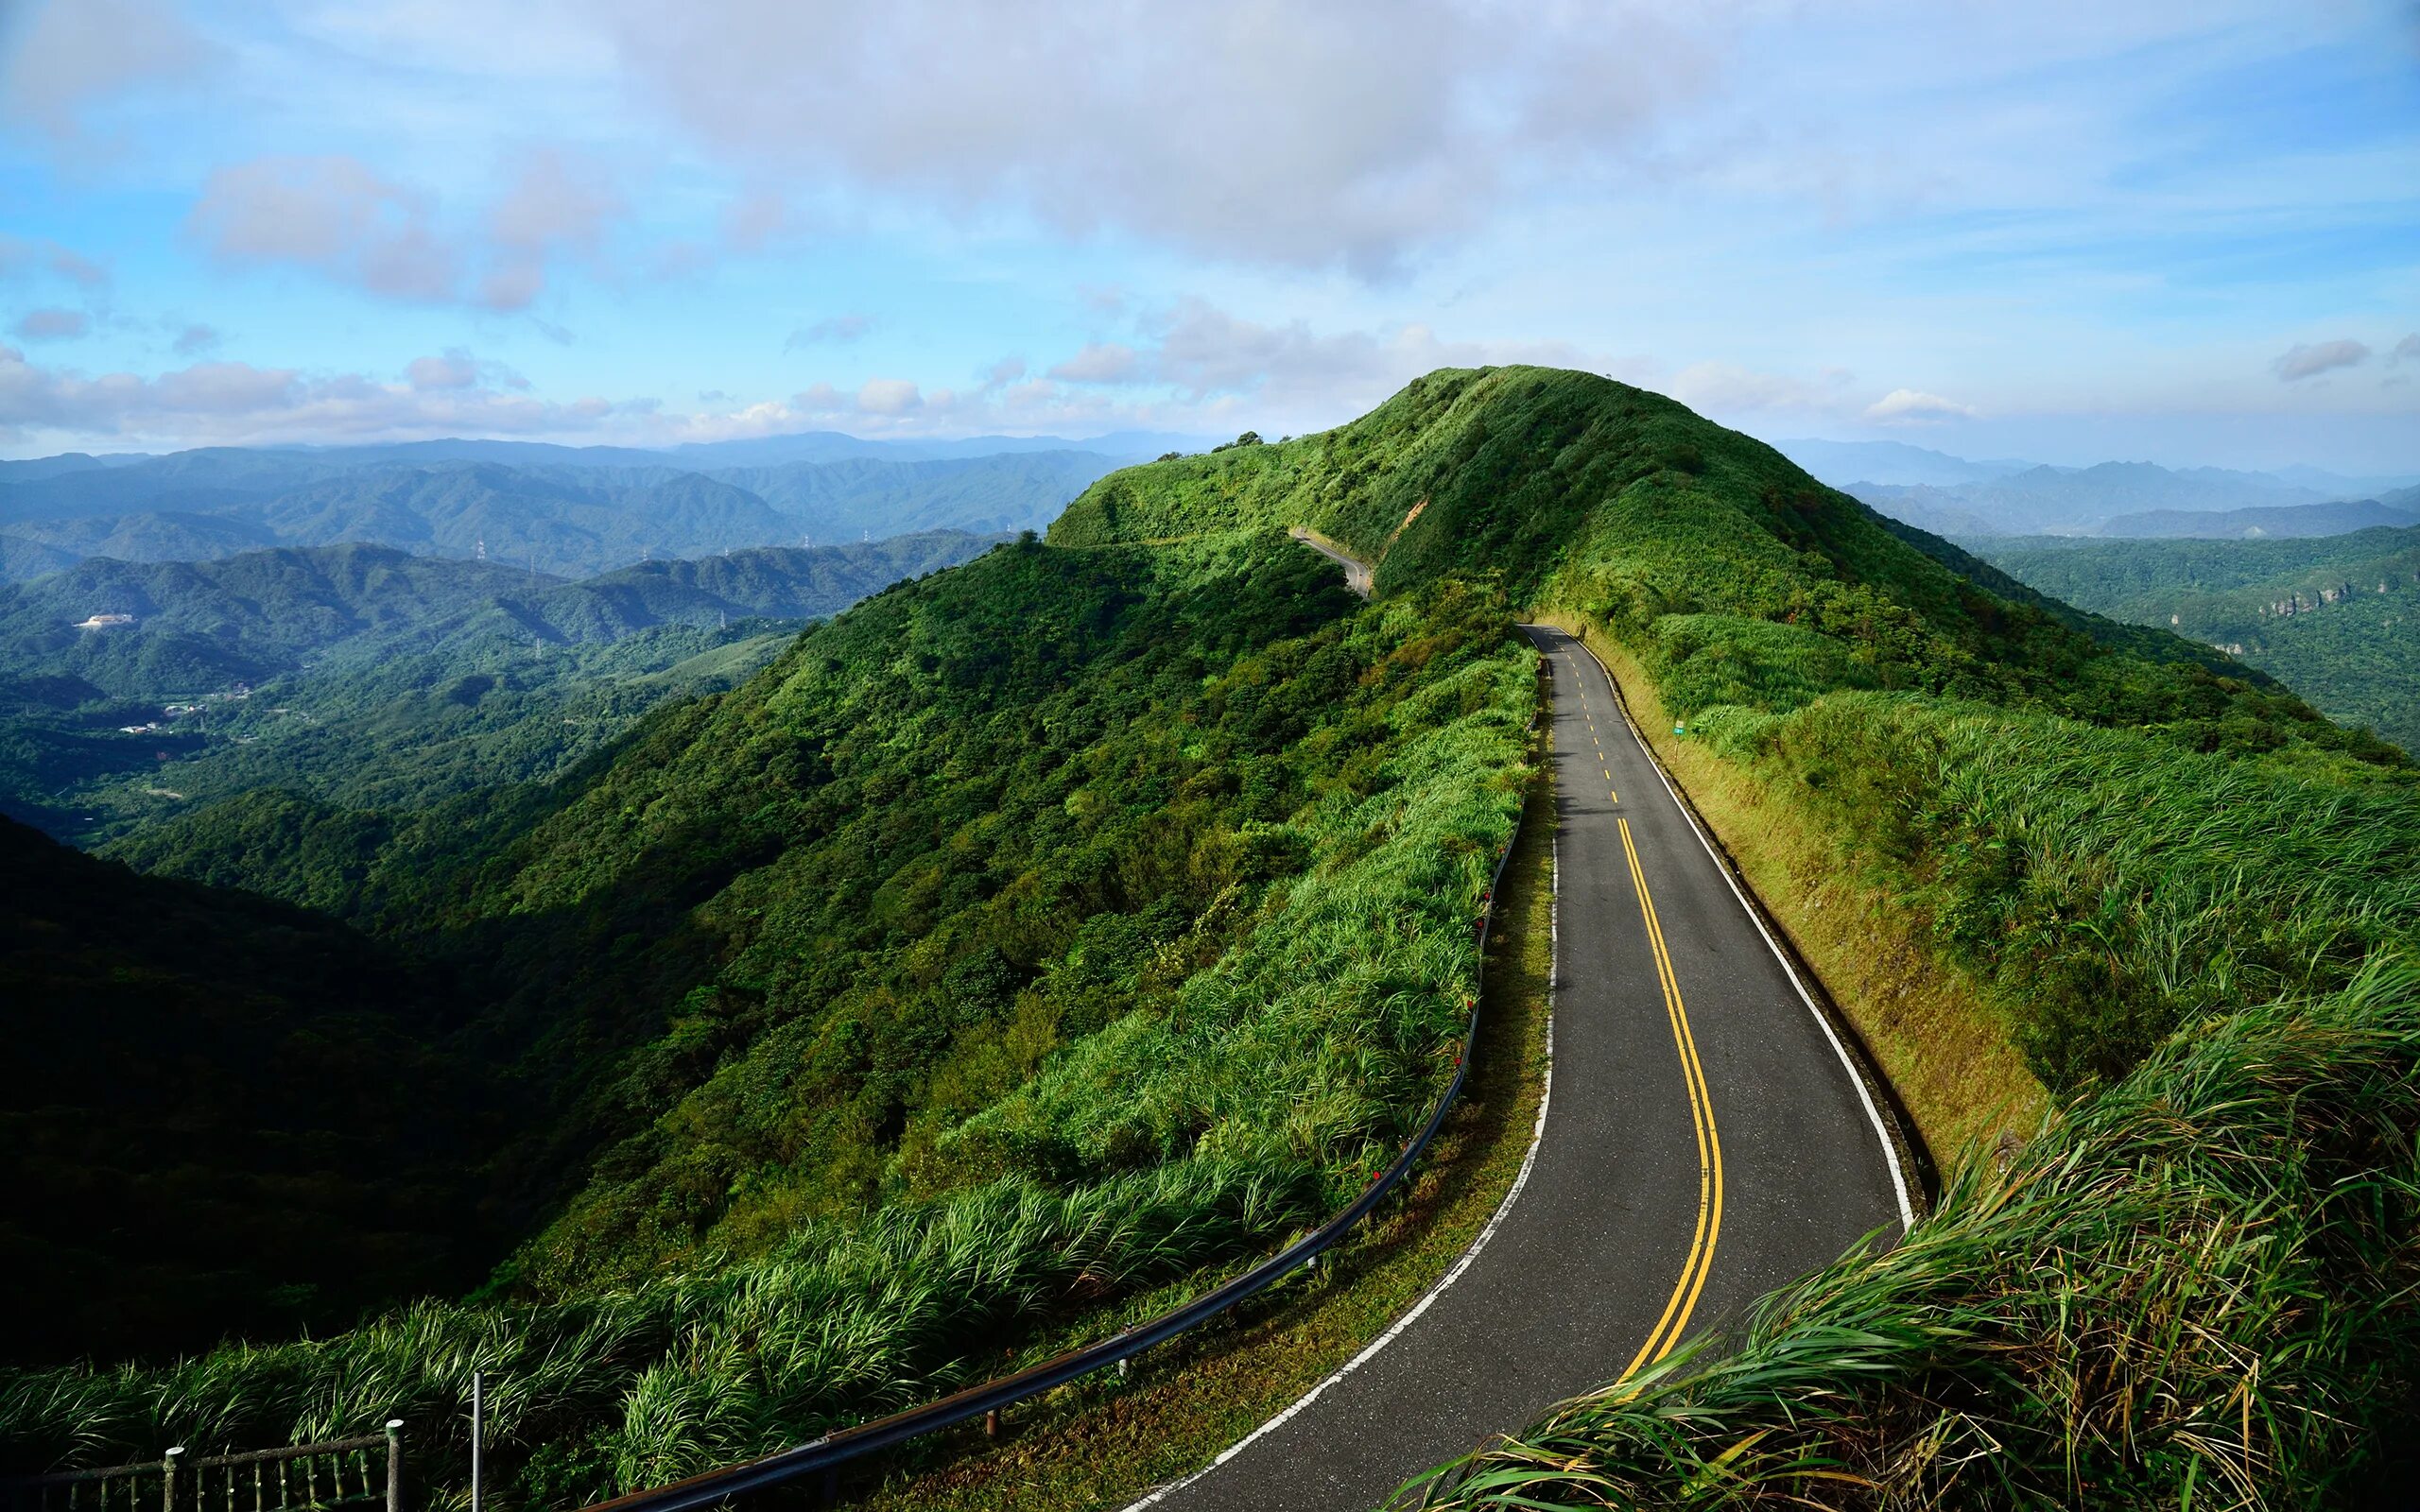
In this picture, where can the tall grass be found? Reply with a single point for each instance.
(2108, 885)
(1162, 1144)
(2193, 1289)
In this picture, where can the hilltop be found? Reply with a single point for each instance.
(2042, 858)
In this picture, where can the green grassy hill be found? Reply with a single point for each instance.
(1087, 917)
(2161, 878)
(2332, 618)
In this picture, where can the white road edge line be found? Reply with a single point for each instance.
(1537, 1134)
(1856, 1078)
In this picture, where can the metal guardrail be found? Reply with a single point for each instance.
(292, 1479)
(822, 1457)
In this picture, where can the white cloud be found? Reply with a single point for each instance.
(195, 339)
(52, 325)
(2301, 361)
(237, 403)
(889, 396)
(23, 257)
(555, 206)
(1298, 376)
(332, 214)
(453, 371)
(835, 331)
(76, 56)
(1355, 133)
(1910, 407)
(339, 216)
(2408, 350)
(1727, 387)
(755, 219)
(1099, 361)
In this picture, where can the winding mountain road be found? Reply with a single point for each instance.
(1705, 1139)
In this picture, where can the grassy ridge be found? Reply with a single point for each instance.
(2115, 844)
(1042, 932)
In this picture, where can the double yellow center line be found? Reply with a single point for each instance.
(1668, 1328)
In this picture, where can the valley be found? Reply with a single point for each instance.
(364, 676)
(2332, 618)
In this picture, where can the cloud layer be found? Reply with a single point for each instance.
(336, 216)
(1355, 133)
(234, 402)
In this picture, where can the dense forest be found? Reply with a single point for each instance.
(1087, 916)
(1058, 925)
(223, 1115)
(2333, 618)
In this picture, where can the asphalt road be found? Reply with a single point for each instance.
(1356, 573)
(1704, 1141)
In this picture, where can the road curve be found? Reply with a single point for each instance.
(1704, 1140)
(1357, 572)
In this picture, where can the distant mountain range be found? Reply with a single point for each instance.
(556, 509)
(407, 677)
(1968, 500)
(195, 627)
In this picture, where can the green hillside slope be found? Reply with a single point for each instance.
(2066, 834)
(1058, 926)
(376, 677)
(2333, 618)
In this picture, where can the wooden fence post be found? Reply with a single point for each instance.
(394, 1464)
(168, 1479)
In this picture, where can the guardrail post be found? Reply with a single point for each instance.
(478, 1488)
(394, 1464)
(168, 1479)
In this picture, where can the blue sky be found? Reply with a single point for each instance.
(2186, 233)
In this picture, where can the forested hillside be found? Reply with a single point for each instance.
(2105, 844)
(2334, 618)
(1061, 924)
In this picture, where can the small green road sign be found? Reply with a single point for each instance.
(1680, 730)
